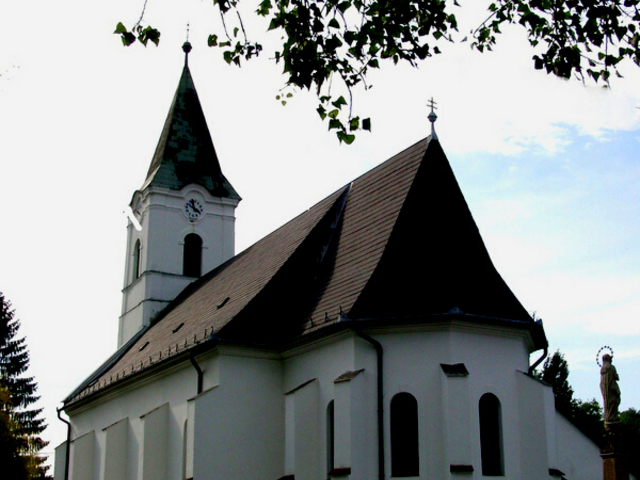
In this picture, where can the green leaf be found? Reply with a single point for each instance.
(120, 28)
(334, 113)
(339, 102)
(333, 23)
(128, 38)
(366, 124)
(345, 137)
(335, 124)
(212, 41)
(344, 6)
(264, 8)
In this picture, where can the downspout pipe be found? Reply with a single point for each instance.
(68, 445)
(192, 358)
(539, 361)
(378, 346)
(538, 324)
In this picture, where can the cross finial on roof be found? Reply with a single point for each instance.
(186, 48)
(432, 118)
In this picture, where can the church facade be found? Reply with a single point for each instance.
(369, 337)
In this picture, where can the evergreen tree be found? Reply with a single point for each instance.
(587, 416)
(630, 420)
(20, 424)
(555, 372)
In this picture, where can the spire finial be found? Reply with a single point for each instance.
(186, 48)
(432, 118)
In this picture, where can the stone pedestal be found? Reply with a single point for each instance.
(614, 458)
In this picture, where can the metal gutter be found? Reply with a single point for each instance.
(67, 446)
(379, 352)
(192, 359)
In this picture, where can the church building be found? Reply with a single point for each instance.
(370, 337)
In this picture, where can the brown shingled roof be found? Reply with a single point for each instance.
(398, 242)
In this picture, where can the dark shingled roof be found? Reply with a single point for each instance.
(398, 244)
(185, 152)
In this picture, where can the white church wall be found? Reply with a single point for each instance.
(167, 225)
(239, 424)
(533, 436)
(171, 389)
(60, 462)
(579, 458)
(116, 449)
(364, 408)
(551, 427)
(164, 227)
(412, 364)
(83, 456)
(303, 444)
(264, 415)
(155, 453)
(458, 414)
(343, 415)
(354, 405)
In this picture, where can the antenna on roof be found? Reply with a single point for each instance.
(432, 118)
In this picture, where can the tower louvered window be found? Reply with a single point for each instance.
(192, 260)
(137, 259)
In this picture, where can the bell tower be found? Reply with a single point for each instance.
(182, 220)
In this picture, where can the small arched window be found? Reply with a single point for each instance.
(491, 435)
(137, 259)
(405, 457)
(331, 444)
(192, 258)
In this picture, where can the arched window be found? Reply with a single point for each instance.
(137, 259)
(331, 444)
(405, 458)
(491, 435)
(192, 259)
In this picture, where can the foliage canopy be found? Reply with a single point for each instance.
(323, 42)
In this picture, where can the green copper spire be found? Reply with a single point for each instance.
(185, 153)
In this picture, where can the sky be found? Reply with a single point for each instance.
(550, 170)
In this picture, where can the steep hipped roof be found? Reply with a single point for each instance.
(185, 152)
(398, 244)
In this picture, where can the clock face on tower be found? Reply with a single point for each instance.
(193, 209)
